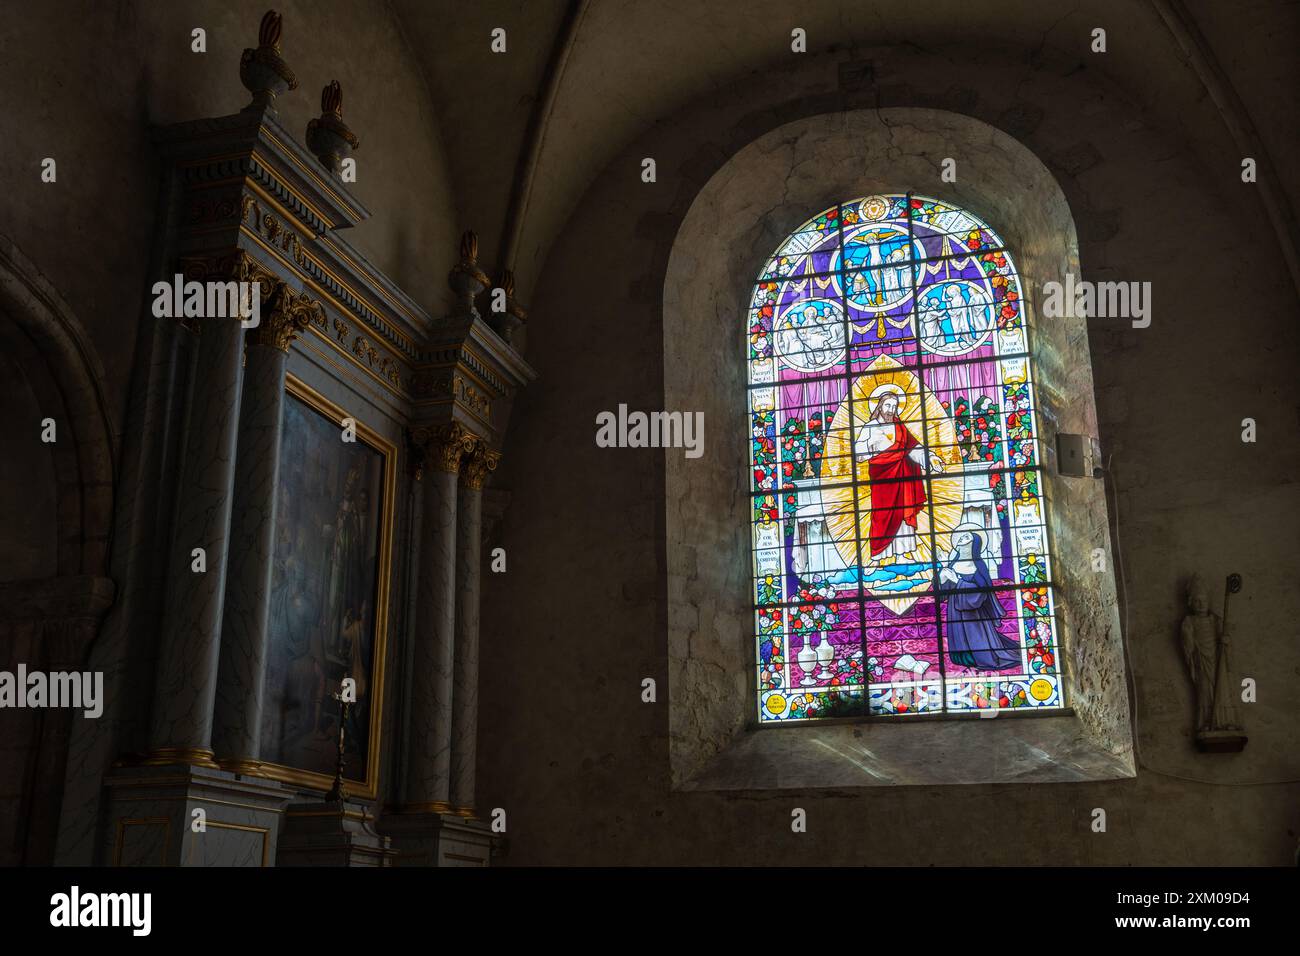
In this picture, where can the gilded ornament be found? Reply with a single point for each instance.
(445, 444)
(328, 137)
(263, 71)
(466, 279)
(506, 323)
(480, 461)
(290, 314)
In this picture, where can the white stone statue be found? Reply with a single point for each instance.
(1205, 648)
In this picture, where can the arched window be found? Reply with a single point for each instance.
(900, 547)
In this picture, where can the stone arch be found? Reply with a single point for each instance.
(750, 203)
(63, 371)
(52, 609)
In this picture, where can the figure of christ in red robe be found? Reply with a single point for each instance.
(897, 489)
(897, 492)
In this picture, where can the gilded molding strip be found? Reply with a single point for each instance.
(458, 376)
(267, 168)
(302, 256)
(392, 369)
(279, 207)
(399, 307)
(222, 825)
(288, 152)
(124, 822)
(243, 171)
(298, 267)
(435, 806)
(362, 349)
(445, 384)
(355, 361)
(186, 798)
(465, 354)
(362, 387)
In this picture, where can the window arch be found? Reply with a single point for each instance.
(899, 528)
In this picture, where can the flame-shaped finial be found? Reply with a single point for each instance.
(507, 282)
(466, 279)
(506, 323)
(469, 246)
(331, 99)
(262, 71)
(269, 32)
(329, 137)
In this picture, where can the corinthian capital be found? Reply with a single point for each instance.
(288, 316)
(480, 461)
(445, 445)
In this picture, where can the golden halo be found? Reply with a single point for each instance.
(848, 502)
(880, 391)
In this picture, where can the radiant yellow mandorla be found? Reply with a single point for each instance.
(848, 521)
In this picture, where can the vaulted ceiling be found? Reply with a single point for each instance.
(621, 66)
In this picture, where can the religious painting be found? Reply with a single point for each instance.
(899, 529)
(329, 593)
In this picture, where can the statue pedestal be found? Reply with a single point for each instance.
(332, 833)
(1221, 741)
(430, 838)
(152, 819)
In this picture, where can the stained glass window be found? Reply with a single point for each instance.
(899, 526)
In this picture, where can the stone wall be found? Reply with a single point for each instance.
(582, 765)
(759, 196)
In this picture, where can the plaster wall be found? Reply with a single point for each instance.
(582, 765)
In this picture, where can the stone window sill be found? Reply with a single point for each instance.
(853, 754)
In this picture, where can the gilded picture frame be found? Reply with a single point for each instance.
(322, 624)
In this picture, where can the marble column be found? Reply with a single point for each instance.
(428, 772)
(244, 630)
(464, 695)
(415, 525)
(186, 682)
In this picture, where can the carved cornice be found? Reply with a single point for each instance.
(470, 342)
(263, 220)
(255, 215)
(251, 147)
(444, 445)
(449, 383)
(245, 182)
(466, 368)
